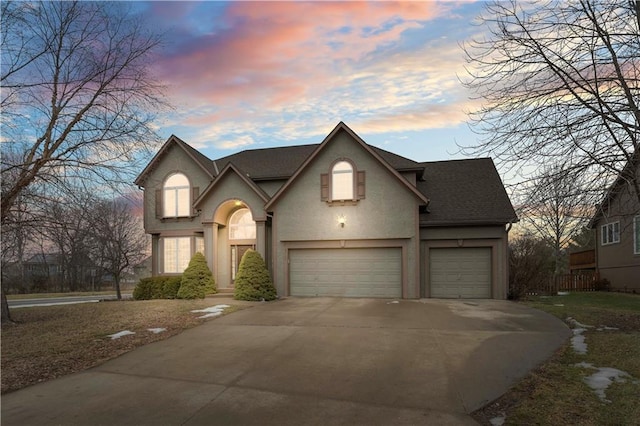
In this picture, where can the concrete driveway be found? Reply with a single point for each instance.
(309, 361)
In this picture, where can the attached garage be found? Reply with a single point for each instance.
(460, 272)
(346, 272)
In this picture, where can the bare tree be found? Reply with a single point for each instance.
(78, 96)
(530, 265)
(560, 84)
(555, 209)
(69, 228)
(120, 241)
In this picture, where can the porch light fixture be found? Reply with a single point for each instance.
(342, 220)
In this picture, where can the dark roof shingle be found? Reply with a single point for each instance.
(464, 192)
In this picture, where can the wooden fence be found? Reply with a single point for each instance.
(569, 282)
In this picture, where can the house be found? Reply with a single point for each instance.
(340, 218)
(617, 226)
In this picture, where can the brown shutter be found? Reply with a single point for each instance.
(195, 193)
(324, 187)
(158, 203)
(360, 191)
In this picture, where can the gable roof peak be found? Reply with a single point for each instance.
(199, 158)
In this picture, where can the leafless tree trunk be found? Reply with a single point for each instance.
(120, 241)
(78, 97)
(560, 84)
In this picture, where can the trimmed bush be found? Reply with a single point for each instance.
(161, 287)
(171, 287)
(253, 281)
(197, 279)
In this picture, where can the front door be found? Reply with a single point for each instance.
(237, 251)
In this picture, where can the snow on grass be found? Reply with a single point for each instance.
(577, 341)
(120, 334)
(156, 330)
(605, 328)
(603, 378)
(213, 311)
(498, 420)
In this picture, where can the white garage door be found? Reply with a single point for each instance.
(349, 272)
(460, 272)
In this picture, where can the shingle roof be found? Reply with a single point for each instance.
(273, 163)
(267, 163)
(464, 192)
(459, 191)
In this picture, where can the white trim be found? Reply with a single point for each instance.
(612, 228)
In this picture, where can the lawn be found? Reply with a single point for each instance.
(557, 392)
(52, 341)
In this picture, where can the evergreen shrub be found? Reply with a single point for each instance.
(171, 287)
(253, 281)
(160, 287)
(197, 279)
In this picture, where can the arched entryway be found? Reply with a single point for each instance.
(233, 230)
(242, 237)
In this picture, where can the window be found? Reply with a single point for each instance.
(199, 245)
(342, 181)
(242, 226)
(176, 202)
(177, 253)
(636, 235)
(611, 233)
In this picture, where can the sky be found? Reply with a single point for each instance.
(248, 75)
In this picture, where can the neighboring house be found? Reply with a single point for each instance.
(49, 265)
(341, 218)
(617, 225)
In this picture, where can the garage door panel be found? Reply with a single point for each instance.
(460, 272)
(366, 272)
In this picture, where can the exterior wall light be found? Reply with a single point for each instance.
(342, 220)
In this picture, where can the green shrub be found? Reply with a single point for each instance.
(253, 281)
(161, 287)
(148, 288)
(171, 287)
(197, 279)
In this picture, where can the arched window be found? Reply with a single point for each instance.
(242, 226)
(342, 181)
(176, 199)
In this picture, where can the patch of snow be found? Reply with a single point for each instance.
(558, 304)
(577, 341)
(563, 293)
(392, 302)
(212, 311)
(120, 334)
(498, 420)
(605, 328)
(603, 378)
(577, 324)
(156, 330)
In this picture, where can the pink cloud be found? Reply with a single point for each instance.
(274, 52)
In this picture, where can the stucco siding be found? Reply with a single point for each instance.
(388, 211)
(174, 160)
(270, 187)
